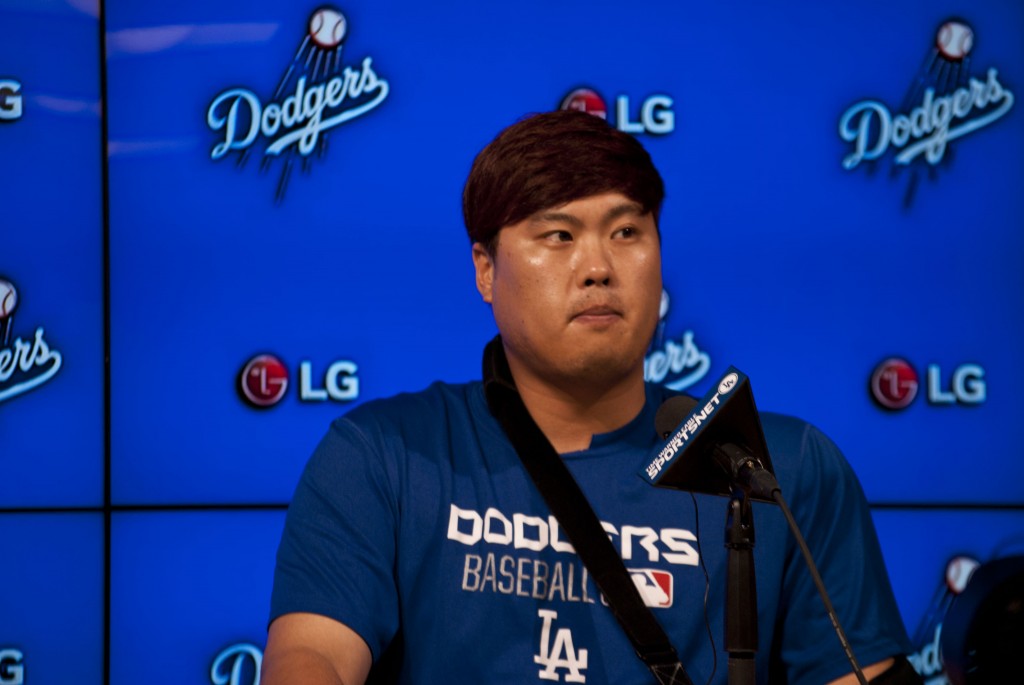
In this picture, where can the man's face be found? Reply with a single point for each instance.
(575, 290)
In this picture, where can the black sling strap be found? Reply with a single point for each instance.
(570, 506)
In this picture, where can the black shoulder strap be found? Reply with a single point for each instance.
(570, 506)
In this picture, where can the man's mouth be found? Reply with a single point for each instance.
(597, 313)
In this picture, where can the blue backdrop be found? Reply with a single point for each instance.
(197, 293)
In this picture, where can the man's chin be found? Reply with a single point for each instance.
(601, 367)
(590, 365)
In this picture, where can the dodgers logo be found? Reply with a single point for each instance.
(315, 95)
(560, 653)
(944, 104)
(238, 664)
(24, 364)
(676, 365)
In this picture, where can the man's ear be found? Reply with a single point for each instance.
(483, 262)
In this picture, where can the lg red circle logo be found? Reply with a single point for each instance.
(585, 100)
(263, 381)
(894, 383)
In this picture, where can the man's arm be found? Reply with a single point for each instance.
(869, 673)
(892, 671)
(308, 648)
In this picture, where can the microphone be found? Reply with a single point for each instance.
(713, 443)
(672, 412)
(712, 446)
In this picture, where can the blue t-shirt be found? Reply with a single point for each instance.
(414, 516)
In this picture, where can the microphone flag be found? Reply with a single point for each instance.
(725, 415)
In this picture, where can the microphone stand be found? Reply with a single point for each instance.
(729, 458)
(740, 590)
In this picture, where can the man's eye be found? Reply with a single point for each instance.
(625, 232)
(560, 236)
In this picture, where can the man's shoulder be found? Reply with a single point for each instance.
(795, 434)
(421, 410)
(802, 453)
(429, 421)
(787, 427)
(778, 426)
(790, 439)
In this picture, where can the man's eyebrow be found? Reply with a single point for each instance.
(557, 218)
(624, 209)
(616, 212)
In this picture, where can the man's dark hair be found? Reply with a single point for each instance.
(550, 159)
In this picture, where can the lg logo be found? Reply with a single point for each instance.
(655, 115)
(895, 383)
(10, 101)
(264, 380)
(12, 668)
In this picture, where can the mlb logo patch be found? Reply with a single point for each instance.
(655, 586)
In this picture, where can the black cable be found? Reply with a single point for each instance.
(777, 496)
(707, 590)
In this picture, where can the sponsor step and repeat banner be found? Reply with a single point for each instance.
(226, 223)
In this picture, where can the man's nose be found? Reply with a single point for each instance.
(595, 266)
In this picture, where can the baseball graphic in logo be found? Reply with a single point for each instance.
(327, 27)
(959, 571)
(728, 383)
(954, 40)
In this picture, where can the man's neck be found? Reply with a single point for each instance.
(570, 415)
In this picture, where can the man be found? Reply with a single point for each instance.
(416, 527)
